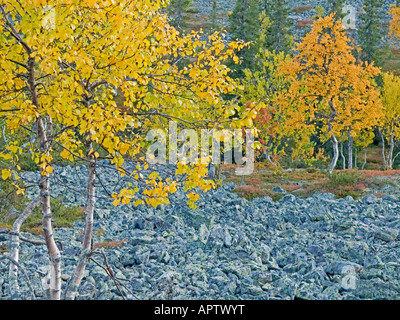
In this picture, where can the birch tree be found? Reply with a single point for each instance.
(329, 87)
(395, 21)
(260, 89)
(63, 62)
(390, 127)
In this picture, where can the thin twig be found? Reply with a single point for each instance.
(108, 270)
(24, 272)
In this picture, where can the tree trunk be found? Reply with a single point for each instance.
(53, 287)
(355, 158)
(385, 164)
(390, 155)
(14, 248)
(350, 150)
(365, 159)
(268, 156)
(335, 153)
(342, 155)
(88, 232)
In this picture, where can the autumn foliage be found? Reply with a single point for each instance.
(328, 87)
(85, 80)
(61, 63)
(395, 22)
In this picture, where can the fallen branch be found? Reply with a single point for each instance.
(110, 273)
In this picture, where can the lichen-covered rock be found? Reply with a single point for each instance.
(228, 248)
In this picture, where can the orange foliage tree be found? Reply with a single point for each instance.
(395, 22)
(330, 92)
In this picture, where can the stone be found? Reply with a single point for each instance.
(386, 234)
(228, 248)
(203, 233)
(278, 190)
(343, 267)
(219, 237)
(370, 199)
(370, 213)
(316, 251)
(319, 213)
(142, 239)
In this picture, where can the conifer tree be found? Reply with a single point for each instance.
(244, 25)
(336, 6)
(176, 10)
(214, 17)
(278, 36)
(371, 30)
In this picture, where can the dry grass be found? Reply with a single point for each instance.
(110, 244)
(393, 65)
(197, 23)
(302, 9)
(303, 23)
(307, 182)
(3, 248)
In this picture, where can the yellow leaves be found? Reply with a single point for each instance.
(194, 197)
(46, 169)
(5, 174)
(119, 40)
(395, 22)
(125, 196)
(124, 148)
(6, 156)
(65, 154)
(118, 161)
(138, 203)
(19, 191)
(116, 202)
(390, 97)
(39, 2)
(191, 204)
(107, 143)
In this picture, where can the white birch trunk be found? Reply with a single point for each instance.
(365, 159)
(88, 232)
(355, 158)
(54, 285)
(342, 155)
(390, 155)
(14, 248)
(335, 153)
(268, 156)
(43, 134)
(385, 164)
(350, 150)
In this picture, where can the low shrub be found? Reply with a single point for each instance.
(350, 177)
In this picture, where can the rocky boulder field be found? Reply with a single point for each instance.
(227, 248)
(302, 11)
